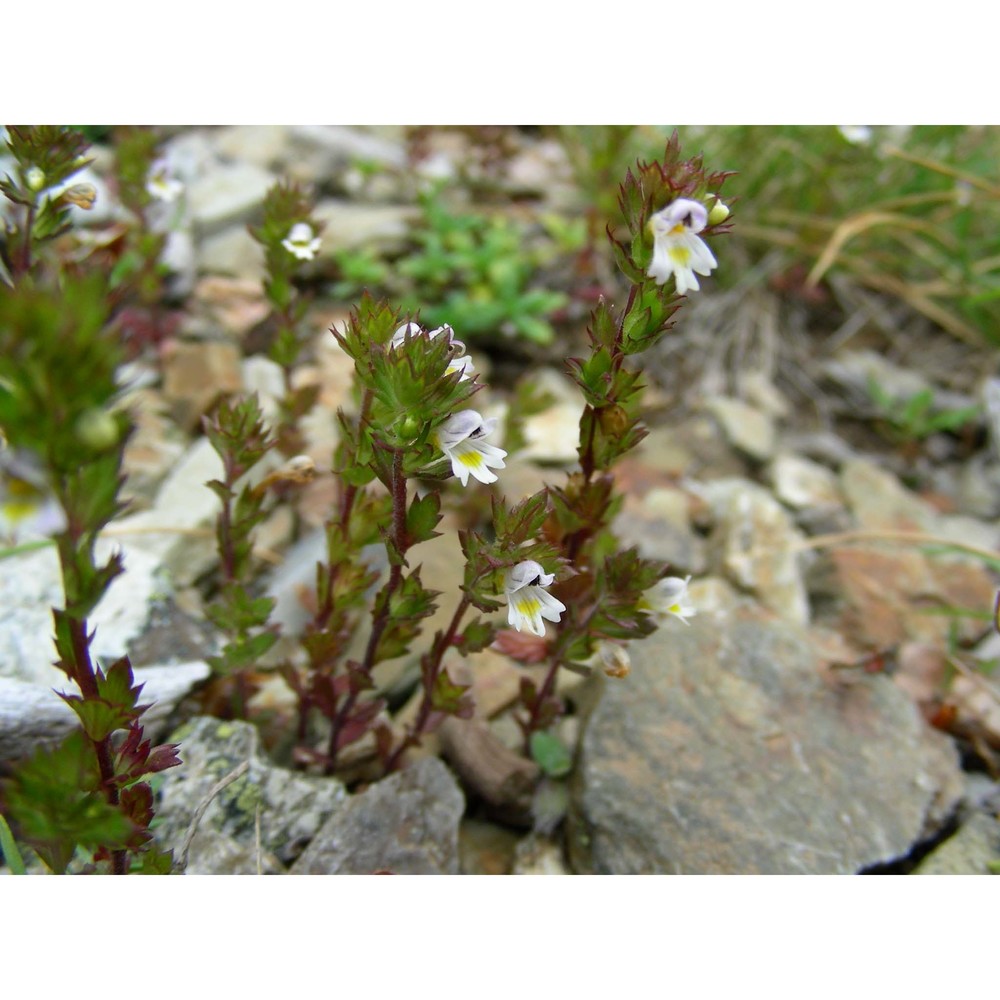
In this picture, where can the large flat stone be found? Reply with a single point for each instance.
(730, 750)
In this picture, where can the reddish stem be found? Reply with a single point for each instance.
(430, 669)
(382, 613)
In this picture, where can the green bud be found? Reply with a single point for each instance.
(35, 178)
(409, 427)
(97, 429)
(719, 212)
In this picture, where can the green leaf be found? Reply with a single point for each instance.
(12, 856)
(451, 698)
(55, 798)
(98, 718)
(551, 754)
(422, 517)
(154, 862)
(476, 636)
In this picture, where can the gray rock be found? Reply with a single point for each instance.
(879, 501)
(552, 436)
(264, 146)
(31, 585)
(407, 824)
(349, 226)
(747, 429)
(292, 806)
(728, 751)
(179, 259)
(177, 530)
(233, 251)
(227, 194)
(758, 546)
(978, 486)
(658, 524)
(32, 715)
(853, 371)
(800, 483)
(969, 851)
(339, 145)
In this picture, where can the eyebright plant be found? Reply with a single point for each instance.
(670, 207)
(58, 360)
(291, 238)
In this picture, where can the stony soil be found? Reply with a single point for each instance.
(829, 710)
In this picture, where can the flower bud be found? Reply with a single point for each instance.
(35, 178)
(409, 427)
(97, 429)
(719, 212)
(81, 195)
(300, 469)
(614, 420)
(615, 660)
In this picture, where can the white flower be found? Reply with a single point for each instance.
(460, 437)
(670, 597)
(856, 135)
(301, 241)
(460, 361)
(161, 185)
(677, 250)
(527, 602)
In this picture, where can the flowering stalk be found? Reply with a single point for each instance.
(88, 791)
(290, 239)
(668, 206)
(237, 433)
(410, 383)
(46, 156)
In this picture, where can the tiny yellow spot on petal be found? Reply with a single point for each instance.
(527, 606)
(680, 254)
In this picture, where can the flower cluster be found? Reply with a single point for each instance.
(459, 361)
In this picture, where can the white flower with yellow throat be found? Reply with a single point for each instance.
(677, 248)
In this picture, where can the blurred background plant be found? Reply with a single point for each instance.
(85, 798)
(474, 271)
(911, 212)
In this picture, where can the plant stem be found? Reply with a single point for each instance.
(84, 676)
(382, 606)
(29, 224)
(547, 688)
(430, 668)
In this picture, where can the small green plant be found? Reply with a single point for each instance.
(470, 270)
(238, 434)
(917, 417)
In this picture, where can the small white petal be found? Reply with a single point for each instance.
(692, 215)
